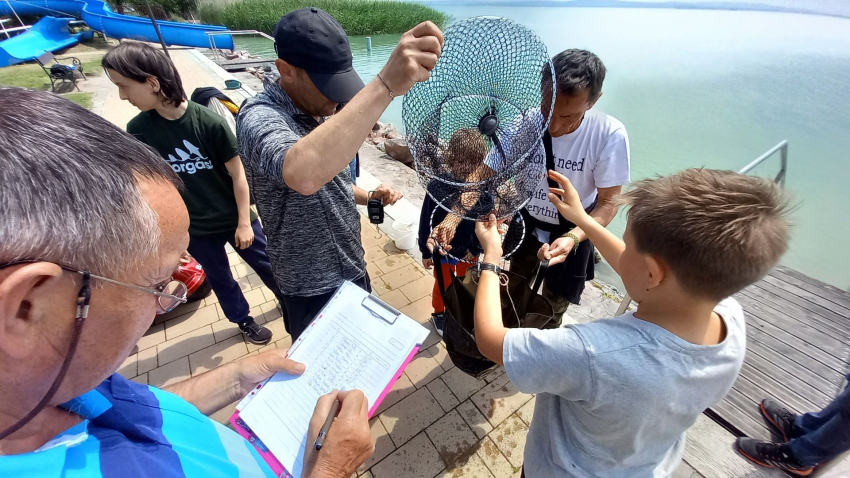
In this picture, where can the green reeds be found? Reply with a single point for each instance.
(358, 17)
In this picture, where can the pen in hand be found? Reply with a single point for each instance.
(320, 440)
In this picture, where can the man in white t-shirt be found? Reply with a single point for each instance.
(590, 148)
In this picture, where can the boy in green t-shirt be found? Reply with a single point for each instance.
(203, 151)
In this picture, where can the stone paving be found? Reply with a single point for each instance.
(437, 421)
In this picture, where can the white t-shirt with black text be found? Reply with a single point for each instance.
(596, 155)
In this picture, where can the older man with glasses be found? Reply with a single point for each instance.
(91, 228)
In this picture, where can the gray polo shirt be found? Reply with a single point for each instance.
(313, 241)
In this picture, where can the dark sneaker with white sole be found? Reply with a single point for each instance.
(771, 455)
(439, 322)
(255, 333)
(780, 419)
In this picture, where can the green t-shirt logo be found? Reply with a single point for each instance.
(197, 146)
(188, 162)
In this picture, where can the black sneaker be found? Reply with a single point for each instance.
(771, 455)
(255, 333)
(780, 419)
(439, 322)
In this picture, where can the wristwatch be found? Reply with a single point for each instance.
(484, 266)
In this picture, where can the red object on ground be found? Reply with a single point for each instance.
(191, 273)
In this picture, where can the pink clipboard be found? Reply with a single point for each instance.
(243, 430)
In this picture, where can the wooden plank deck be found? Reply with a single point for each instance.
(798, 349)
(234, 65)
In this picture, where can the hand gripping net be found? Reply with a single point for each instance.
(475, 127)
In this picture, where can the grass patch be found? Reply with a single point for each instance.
(357, 17)
(31, 75)
(92, 66)
(25, 76)
(82, 99)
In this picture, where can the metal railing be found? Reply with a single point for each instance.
(217, 51)
(782, 147)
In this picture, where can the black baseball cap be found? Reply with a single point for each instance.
(311, 39)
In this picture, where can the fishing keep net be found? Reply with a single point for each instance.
(475, 127)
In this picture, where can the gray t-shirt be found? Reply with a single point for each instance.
(314, 241)
(615, 396)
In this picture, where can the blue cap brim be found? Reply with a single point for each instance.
(337, 87)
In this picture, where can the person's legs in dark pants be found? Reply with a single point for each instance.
(559, 302)
(300, 311)
(438, 318)
(210, 253)
(256, 258)
(814, 438)
(821, 436)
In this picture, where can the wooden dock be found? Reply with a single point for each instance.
(236, 65)
(798, 349)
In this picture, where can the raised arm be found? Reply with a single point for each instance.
(605, 210)
(316, 158)
(489, 330)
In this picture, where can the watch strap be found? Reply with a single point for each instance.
(485, 266)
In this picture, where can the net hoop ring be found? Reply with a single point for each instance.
(441, 251)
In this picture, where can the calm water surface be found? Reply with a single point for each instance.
(715, 89)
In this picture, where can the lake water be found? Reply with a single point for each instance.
(715, 89)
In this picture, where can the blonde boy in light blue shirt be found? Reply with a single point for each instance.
(615, 396)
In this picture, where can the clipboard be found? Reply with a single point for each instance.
(347, 302)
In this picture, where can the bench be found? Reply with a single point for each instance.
(61, 72)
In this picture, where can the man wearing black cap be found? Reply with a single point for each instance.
(297, 144)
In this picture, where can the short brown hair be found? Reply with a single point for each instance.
(718, 231)
(140, 61)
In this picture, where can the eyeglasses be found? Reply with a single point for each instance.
(169, 295)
